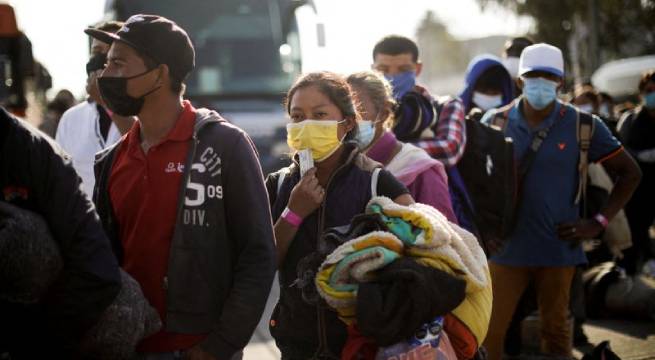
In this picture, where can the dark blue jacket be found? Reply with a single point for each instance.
(294, 322)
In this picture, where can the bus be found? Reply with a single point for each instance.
(248, 54)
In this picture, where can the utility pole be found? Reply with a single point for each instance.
(593, 49)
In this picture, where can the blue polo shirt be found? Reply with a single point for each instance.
(550, 187)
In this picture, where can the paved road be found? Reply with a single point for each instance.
(631, 340)
(262, 346)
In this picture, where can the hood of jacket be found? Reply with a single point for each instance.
(475, 69)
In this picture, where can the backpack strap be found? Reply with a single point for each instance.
(501, 116)
(280, 179)
(585, 130)
(375, 176)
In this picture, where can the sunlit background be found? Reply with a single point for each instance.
(352, 27)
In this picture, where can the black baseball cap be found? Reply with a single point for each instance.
(156, 37)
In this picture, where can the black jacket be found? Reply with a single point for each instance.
(222, 258)
(35, 174)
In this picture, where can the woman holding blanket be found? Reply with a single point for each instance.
(424, 176)
(323, 120)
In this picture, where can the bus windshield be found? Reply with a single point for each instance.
(241, 47)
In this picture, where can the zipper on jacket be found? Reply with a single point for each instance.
(182, 192)
(323, 350)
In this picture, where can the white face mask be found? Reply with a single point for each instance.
(512, 66)
(486, 102)
(588, 108)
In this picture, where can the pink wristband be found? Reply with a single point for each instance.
(291, 217)
(602, 220)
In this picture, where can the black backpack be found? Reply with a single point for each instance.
(489, 173)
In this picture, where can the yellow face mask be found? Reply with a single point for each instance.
(320, 136)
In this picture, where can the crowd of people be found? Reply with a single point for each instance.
(378, 198)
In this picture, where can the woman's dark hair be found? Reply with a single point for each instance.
(491, 79)
(334, 87)
(645, 79)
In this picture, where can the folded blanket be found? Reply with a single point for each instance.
(329, 241)
(351, 264)
(29, 257)
(434, 238)
(422, 234)
(446, 246)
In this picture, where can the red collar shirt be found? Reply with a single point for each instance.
(144, 191)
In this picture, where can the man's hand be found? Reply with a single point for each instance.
(575, 233)
(196, 353)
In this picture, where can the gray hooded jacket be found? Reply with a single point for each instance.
(222, 258)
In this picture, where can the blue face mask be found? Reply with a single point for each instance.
(539, 92)
(649, 100)
(365, 133)
(402, 83)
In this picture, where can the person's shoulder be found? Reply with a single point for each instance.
(74, 119)
(448, 102)
(365, 163)
(29, 137)
(212, 123)
(83, 111)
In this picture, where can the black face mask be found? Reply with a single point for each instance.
(96, 62)
(114, 93)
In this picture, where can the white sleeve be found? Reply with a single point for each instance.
(64, 136)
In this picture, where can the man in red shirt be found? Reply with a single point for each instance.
(182, 198)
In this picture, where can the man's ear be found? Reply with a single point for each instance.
(519, 83)
(419, 67)
(164, 74)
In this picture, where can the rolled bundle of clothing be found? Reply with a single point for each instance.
(415, 117)
(31, 261)
(386, 283)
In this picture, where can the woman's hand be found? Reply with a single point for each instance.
(307, 195)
